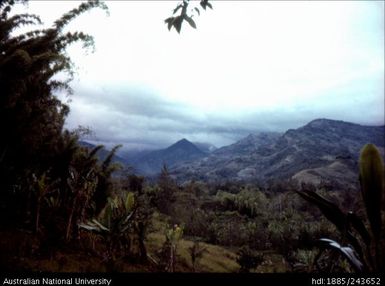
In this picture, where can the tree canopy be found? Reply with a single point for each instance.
(34, 141)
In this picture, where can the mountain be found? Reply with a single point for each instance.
(322, 150)
(180, 152)
(249, 144)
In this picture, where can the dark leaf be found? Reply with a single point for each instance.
(331, 211)
(203, 3)
(197, 10)
(178, 23)
(190, 21)
(169, 22)
(209, 5)
(95, 150)
(107, 161)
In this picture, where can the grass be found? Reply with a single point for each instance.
(214, 259)
(21, 250)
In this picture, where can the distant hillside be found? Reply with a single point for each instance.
(181, 152)
(322, 150)
(205, 147)
(249, 144)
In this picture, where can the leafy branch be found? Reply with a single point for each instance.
(186, 14)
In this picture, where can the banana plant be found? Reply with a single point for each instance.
(42, 186)
(116, 215)
(113, 223)
(365, 238)
(173, 236)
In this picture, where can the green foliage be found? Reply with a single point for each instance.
(303, 260)
(41, 189)
(116, 214)
(31, 116)
(143, 214)
(104, 178)
(347, 252)
(168, 254)
(173, 235)
(164, 195)
(251, 203)
(333, 213)
(113, 225)
(367, 250)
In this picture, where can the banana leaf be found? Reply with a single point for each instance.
(346, 251)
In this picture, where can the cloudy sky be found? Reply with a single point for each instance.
(249, 66)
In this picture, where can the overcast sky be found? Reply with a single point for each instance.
(250, 66)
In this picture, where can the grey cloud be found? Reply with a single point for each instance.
(141, 101)
(135, 116)
(140, 118)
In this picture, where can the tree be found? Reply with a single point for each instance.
(165, 195)
(31, 116)
(168, 253)
(143, 214)
(104, 186)
(196, 252)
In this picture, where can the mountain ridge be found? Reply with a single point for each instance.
(317, 148)
(323, 150)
